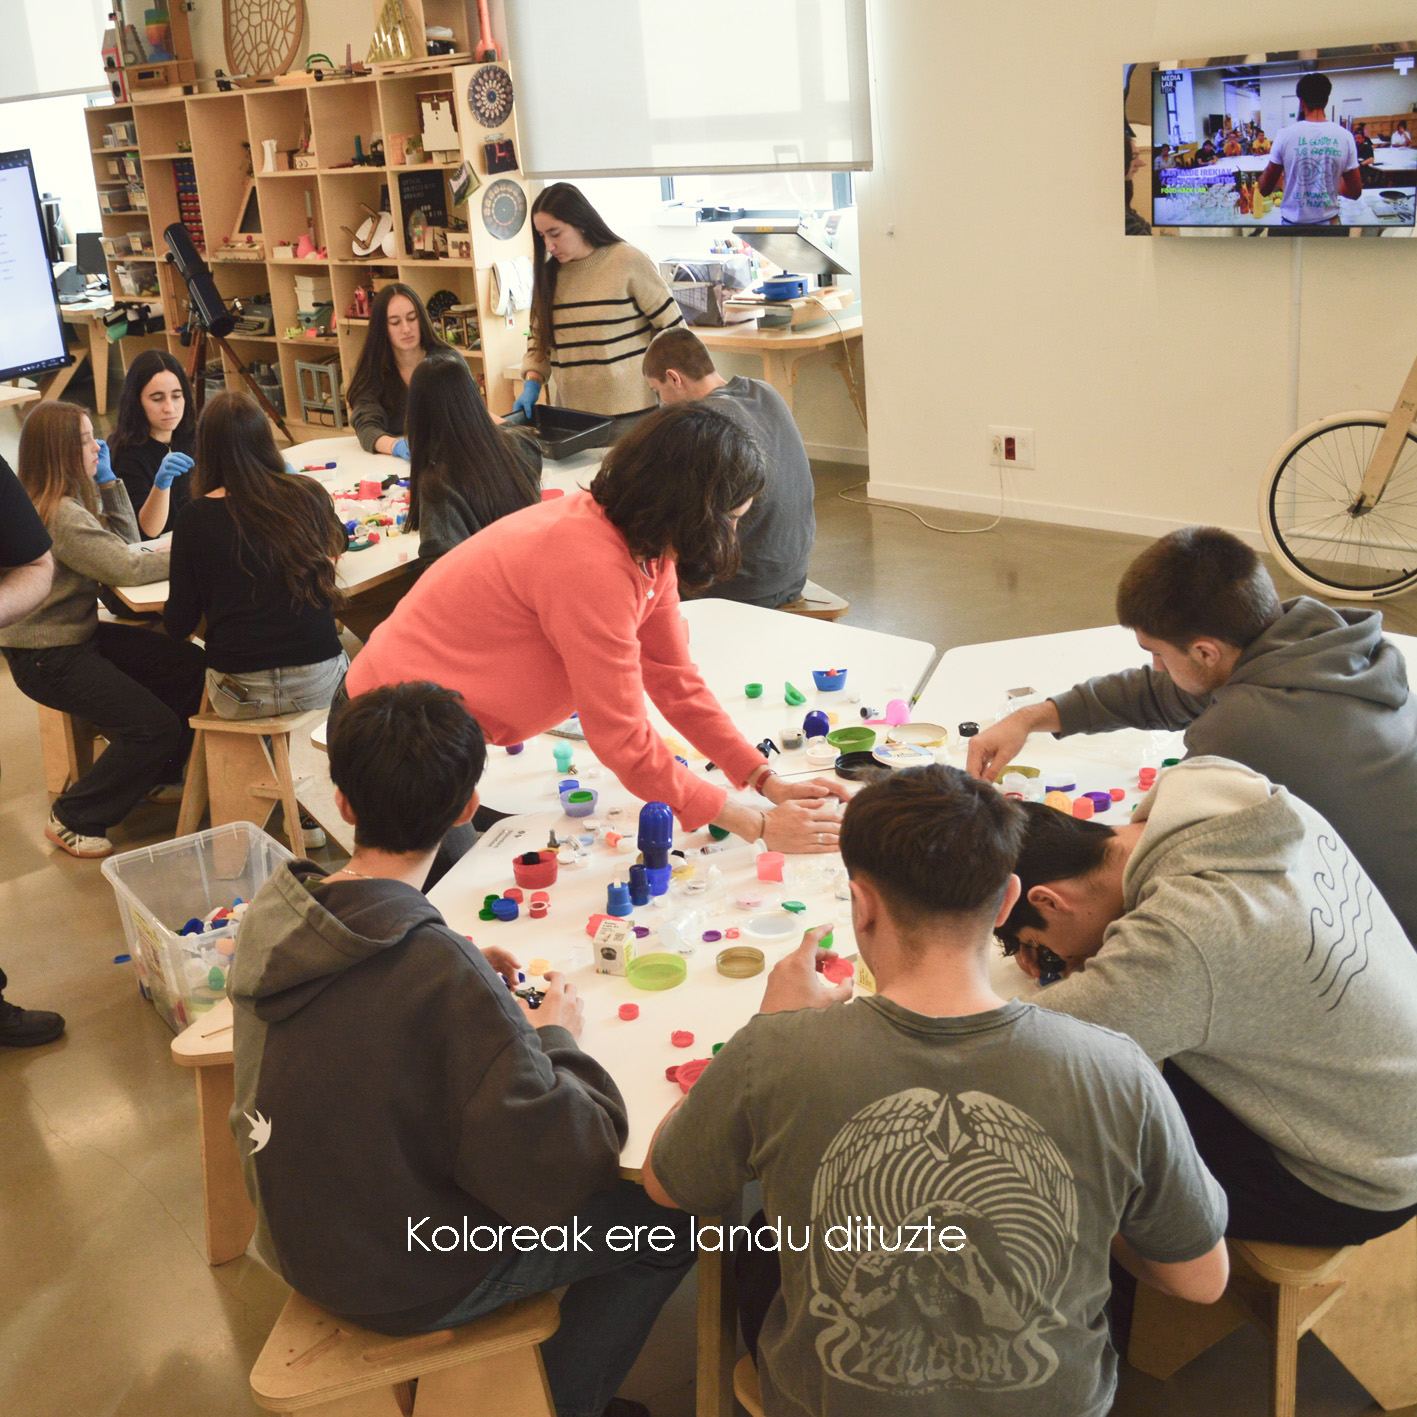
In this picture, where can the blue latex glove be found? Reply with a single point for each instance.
(526, 400)
(104, 471)
(400, 450)
(289, 469)
(170, 469)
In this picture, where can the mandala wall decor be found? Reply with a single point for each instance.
(262, 36)
(504, 209)
(489, 95)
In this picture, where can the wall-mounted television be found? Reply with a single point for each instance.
(31, 331)
(1299, 143)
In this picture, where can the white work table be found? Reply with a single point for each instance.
(733, 645)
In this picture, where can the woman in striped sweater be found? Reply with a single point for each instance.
(596, 305)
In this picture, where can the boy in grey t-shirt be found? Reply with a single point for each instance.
(947, 1172)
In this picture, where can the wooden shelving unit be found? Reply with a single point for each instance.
(220, 132)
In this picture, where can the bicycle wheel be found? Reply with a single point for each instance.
(1305, 515)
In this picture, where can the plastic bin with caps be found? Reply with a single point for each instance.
(159, 888)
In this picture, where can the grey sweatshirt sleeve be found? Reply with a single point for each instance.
(372, 421)
(1148, 981)
(443, 522)
(1133, 698)
(541, 1086)
(110, 557)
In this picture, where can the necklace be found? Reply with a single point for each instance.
(345, 871)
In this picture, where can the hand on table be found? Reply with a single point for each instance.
(995, 748)
(777, 789)
(803, 826)
(562, 1005)
(795, 984)
(103, 473)
(400, 450)
(170, 469)
(504, 963)
(526, 400)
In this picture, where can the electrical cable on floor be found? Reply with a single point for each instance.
(929, 526)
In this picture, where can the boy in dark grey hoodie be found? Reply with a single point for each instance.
(1314, 698)
(392, 1092)
(1231, 933)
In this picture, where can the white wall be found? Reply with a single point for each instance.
(1155, 372)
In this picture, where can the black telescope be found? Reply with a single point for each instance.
(207, 304)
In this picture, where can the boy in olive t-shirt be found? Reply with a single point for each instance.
(947, 1172)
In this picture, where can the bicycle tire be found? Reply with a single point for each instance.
(1304, 501)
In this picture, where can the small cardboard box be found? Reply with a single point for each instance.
(613, 947)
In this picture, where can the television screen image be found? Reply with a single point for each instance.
(1287, 146)
(31, 332)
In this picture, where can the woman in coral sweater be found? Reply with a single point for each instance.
(575, 608)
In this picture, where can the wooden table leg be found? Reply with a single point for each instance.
(848, 377)
(718, 1330)
(52, 385)
(98, 356)
(230, 1216)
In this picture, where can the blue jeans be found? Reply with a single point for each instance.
(610, 1306)
(263, 693)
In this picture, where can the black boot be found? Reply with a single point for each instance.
(27, 1028)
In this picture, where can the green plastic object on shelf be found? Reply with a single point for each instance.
(793, 696)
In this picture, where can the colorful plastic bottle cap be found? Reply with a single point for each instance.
(1117, 793)
(617, 899)
(770, 865)
(682, 1038)
(852, 740)
(829, 680)
(514, 893)
(731, 933)
(1062, 787)
(793, 696)
(753, 691)
(712, 937)
(629, 1012)
(716, 1047)
(717, 833)
(488, 899)
(657, 971)
(580, 802)
(1101, 801)
(1060, 800)
(671, 1073)
(539, 910)
(1169, 762)
(1082, 809)
(687, 1074)
(640, 932)
(968, 730)
(837, 970)
(539, 896)
(1146, 776)
(486, 913)
(515, 749)
(505, 909)
(749, 900)
(795, 906)
(815, 724)
(535, 869)
(740, 962)
(827, 940)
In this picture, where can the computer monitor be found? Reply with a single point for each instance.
(89, 254)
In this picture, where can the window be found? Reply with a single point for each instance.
(749, 194)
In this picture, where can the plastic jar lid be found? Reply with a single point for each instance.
(740, 962)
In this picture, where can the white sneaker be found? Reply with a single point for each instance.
(88, 848)
(314, 833)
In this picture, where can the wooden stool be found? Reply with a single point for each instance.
(1360, 1301)
(66, 744)
(817, 603)
(313, 1362)
(231, 769)
(745, 1386)
(205, 1047)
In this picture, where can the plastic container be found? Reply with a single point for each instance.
(160, 888)
(580, 802)
(852, 740)
(559, 432)
(536, 877)
(657, 971)
(829, 680)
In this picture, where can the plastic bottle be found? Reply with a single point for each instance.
(656, 836)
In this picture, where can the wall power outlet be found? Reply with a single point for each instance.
(1011, 447)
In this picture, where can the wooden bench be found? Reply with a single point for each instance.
(205, 1047)
(67, 746)
(232, 770)
(313, 1362)
(1360, 1301)
(817, 603)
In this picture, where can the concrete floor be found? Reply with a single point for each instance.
(107, 1305)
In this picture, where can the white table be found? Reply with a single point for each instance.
(734, 645)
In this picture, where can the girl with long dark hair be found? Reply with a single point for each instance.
(254, 554)
(574, 605)
(400, 336)
(137, 687)
(465, 472)
(597, 302)
(151, 442)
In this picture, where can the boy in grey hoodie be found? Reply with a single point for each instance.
(1314, 698)
(1231, 933)
(391, 1091)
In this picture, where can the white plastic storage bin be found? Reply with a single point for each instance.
(160, 888)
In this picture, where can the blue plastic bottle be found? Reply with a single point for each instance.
(639, 885)
(617, 899)
(655, 839)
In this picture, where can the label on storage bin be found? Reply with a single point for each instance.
(151, 946)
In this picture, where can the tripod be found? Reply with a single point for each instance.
(196, 372)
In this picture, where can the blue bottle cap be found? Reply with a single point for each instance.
(504, 909)
(617, 899)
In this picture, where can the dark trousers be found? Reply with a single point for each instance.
(138, 688)
(1266, 1201)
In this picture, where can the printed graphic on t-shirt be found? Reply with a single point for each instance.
(904, 1317)
(1339, 928)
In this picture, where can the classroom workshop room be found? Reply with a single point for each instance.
(696, 719)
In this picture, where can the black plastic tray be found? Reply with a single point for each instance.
(560, 432)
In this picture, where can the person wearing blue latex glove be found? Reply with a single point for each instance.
(400, 449)
(104, 471)
(526, 400)
(170, 469)
(289, 469)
